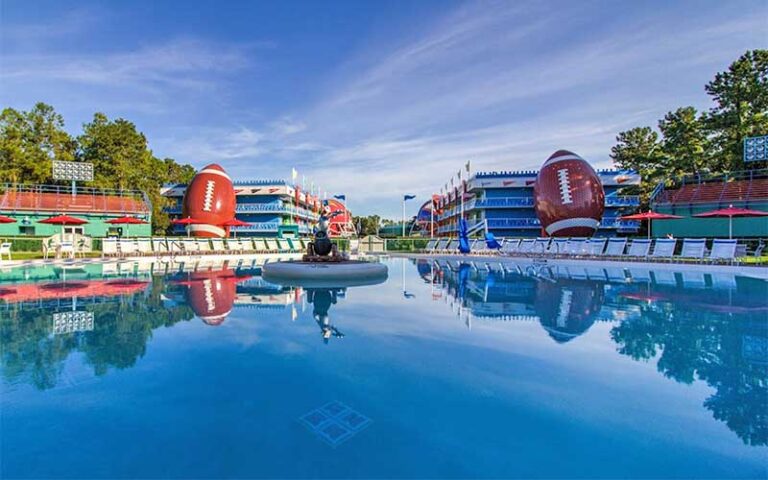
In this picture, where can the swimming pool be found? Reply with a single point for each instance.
(447, 369)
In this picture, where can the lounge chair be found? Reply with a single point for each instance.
(189, 246)
(510, 246)
(176, 245)
(639, 248)
(441, 245)
(144, 246)
(235, 245)
(126, 247)
(453, 246)
(217, 246)
(203, 245)
(526, 245)
(66, 249)
(693, 248)
(259, 246)
(576, 247)
(430, 247)
(615, 247)
(108, 247)
(540, 246)
(559, 247)
(160, 245)
(272, 245)
(595, 246)
(5, 249)
(723, 250)
(247, 244)
(664, 248)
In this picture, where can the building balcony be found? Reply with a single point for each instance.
(622, 201)
(613, 201)
(505, 202)
(256, 208)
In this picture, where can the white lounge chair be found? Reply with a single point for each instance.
(5, 249)
(693, 248)
(526, 245)
(595, 246)
(66, 249)
(190, 246)
(144, 246)
(559, 246)
(664, 248)
(430, 246)
(203, 245)
(510, 246)
(159, 245)
(272, 245)
(441, 245)
(176, 245)
(127, 247)
(615, 247)
(540, 246)
(217, 246)
(639, 248)
(453, 246)
(108, 247)
(723, 250)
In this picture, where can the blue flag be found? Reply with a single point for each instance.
(343, 198)
(408, 197)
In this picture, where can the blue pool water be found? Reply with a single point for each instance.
(444, 370)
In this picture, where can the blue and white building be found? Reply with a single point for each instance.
(505, 201)
(274, 208)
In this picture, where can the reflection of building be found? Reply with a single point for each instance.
(565, 309)
(272, 207)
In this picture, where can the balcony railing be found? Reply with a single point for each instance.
(527, 202)
(261, 208)
(525, 223)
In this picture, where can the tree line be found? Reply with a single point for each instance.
(31, 140)
(689, 142)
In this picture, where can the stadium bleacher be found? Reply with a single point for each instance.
(737, 188)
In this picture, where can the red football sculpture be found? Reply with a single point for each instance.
(209, 198)
(212, 295)
(568, 196)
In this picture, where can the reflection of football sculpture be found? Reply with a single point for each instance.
(568, 308)
(569, 197)
(210, 198)
(212, 294)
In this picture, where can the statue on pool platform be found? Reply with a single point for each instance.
(321, 249)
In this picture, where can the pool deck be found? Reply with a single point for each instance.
(760, 272)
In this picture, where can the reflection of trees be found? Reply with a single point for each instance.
(695, 344)
(121, 331)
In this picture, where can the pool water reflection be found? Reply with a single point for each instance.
(446, 370)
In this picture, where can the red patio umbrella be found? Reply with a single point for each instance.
(127, 220)
(187, 222)
(64, 220)
(4, 219)
(731, 212)
(650, 215)
(235, 223)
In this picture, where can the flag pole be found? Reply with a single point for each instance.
(403, 216)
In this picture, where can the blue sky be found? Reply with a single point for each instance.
(372, 99)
